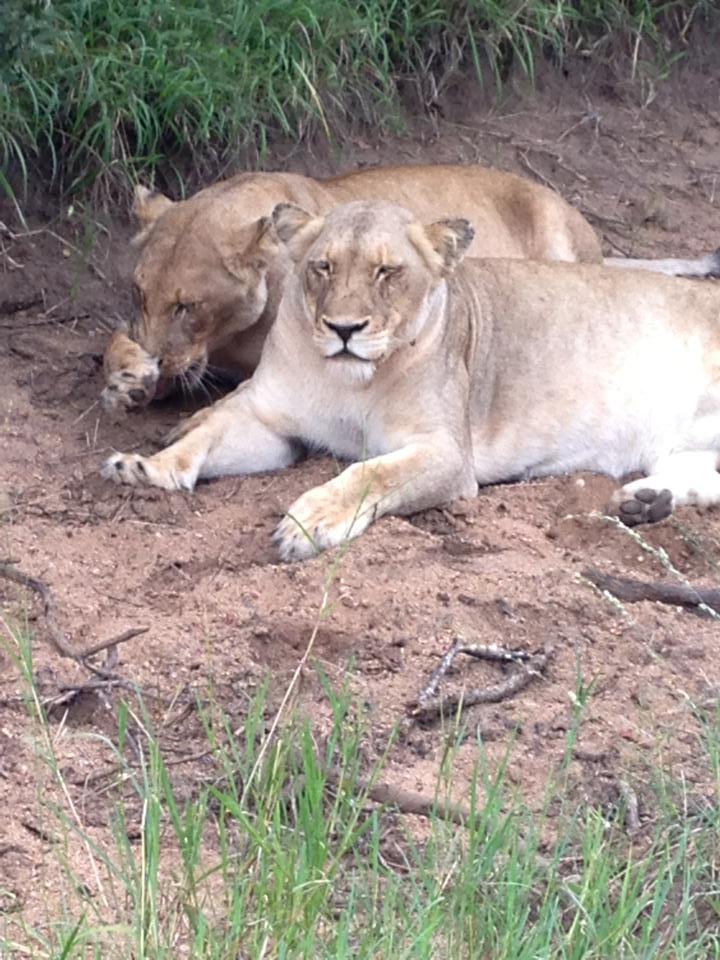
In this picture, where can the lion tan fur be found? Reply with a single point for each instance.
(436, 376)
(209, 275)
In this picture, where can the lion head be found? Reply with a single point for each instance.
(367, 274)
(202, 275)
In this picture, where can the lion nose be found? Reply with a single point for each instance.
(346, 330)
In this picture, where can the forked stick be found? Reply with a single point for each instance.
(55, 634)
(428, 705)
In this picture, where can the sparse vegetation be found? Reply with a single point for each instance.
(264, 859)
(109, 88)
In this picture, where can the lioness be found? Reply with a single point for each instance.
(448, 375)
(211, 272)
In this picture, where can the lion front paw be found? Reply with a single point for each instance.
(132, 469)
(642, 505)
(131, 375)
(317, 521)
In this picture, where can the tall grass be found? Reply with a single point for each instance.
(264, 859)
(93, 88)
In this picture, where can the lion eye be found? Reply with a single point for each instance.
(386, 270)
(321, 267)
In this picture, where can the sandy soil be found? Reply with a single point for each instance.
(201, 573)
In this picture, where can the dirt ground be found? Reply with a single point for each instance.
(200, 570)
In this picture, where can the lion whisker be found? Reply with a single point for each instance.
(213, 379)
(184, 384)
(203, 387)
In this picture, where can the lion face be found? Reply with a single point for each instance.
(200, 279)
(367, 280)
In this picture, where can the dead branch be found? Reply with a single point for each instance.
(590, 756)
(623, 251)
(419, 805)
(408, 801)
(492, 652)
(675, 594)
(427, 705)
(629, 797)
(44, 321)
(190, 758)
(114, 641)
(69, 693)
(592, 116)
(436, 676)
(538, 174)
(516, 682)
(55, 634)
(478, 651)
(37, 586)
(40, 832)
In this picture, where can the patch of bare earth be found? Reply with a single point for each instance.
(222, 613)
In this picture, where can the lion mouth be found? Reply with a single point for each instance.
(163, 387)
(345, 354)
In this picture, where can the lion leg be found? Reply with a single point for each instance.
(678, 479)
(228, 441)
(417, 476)
(131, 375)
(188, 424)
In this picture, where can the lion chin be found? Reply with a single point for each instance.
(349, 369)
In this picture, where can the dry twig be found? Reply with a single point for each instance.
(69, 693)
(428, 705)
(629, 797)
(55, 634)
(419, 805)
(675, 594)
(408, 801)
(538, 174)
(44, 321)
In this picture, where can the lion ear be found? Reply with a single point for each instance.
(148, 207)
(296, 228)
(258, 252)
(444, 243)
(266, 238)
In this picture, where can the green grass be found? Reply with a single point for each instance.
(115, 88)
(264, 860)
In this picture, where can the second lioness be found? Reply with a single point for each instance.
(449, 375)
(211, 271)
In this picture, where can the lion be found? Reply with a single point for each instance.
(210, 272)
(437, 375)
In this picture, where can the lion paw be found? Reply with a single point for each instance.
(131, 375)
(316, 522)
(132, 469)
(127, 390)
(644, 505)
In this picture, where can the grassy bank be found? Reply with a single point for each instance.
(276, 853)
(104, 88)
